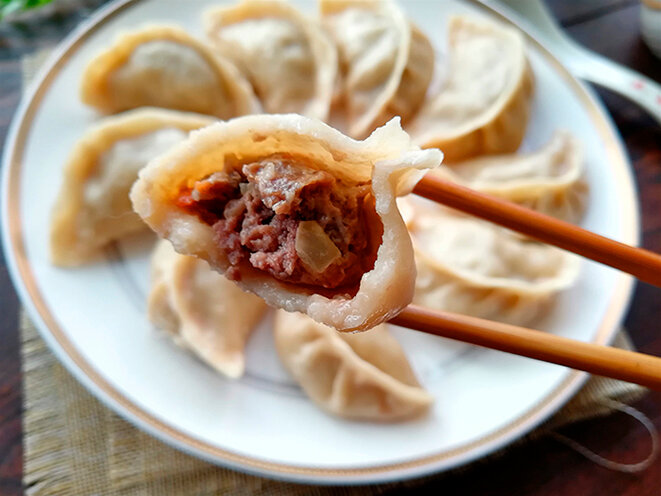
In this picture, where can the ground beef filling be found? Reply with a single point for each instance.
(256, 211)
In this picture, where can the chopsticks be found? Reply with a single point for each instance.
(601, 360)
(643, 264)
(597, 359)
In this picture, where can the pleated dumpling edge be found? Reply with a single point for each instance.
(484, 106)
(201, 310)
(361, 376)
(386, 63)
(161, 65)
(288, 59)
(93, 207)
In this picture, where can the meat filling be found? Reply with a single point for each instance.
(260, 214)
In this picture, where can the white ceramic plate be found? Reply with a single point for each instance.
(94, 317)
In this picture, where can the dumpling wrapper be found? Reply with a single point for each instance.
(446, 291)
(387, 159)
(163, 66)
(362, 376)
(203, 311)
(386, 62)
(473, 267)
(290, 62)
(484, 105)
(93, 206)
(549, 180)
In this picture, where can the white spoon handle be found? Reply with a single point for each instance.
(584, 63)
(631, 84)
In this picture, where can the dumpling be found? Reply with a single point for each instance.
(93, 206)
(363, 376)
(203, 311)
(163, 66)
(473, 267)
(386, 63)
(294, 211)
(549, 180)
(484, 105)
(288, 59)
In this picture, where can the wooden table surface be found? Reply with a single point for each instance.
(544, 467)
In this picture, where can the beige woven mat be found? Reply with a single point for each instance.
(74, 446)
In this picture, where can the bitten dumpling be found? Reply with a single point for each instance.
(362, 376)
(202, 310)
(163, 66)
(484, 105)
(294, 211)
(549, 180)
(470, 266)
(93, 206)
(290, 62)
(386, 63)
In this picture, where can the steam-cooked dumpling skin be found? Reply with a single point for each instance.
(363, 376)
(163, 66)
(469, 266)
(93, 206)
(386, 63)
(347, 263)
(549, 180)
(290, 62)
(484, 105)
(204, 311)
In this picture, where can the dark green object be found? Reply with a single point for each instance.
(9, 6)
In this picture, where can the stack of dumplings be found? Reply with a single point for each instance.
(355, 64)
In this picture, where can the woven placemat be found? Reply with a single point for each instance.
(74, 446)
